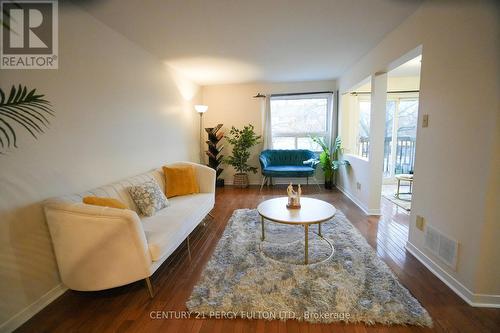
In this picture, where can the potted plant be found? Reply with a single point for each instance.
(329, 161)
(241, 140)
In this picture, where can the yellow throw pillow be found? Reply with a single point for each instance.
(105, 202)
(180, 180)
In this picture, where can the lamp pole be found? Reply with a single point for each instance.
(201, 138)
(201, 109)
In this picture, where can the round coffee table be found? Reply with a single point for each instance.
(312, 211)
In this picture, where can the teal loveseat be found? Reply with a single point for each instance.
(287, 163)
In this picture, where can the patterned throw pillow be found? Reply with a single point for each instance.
(148, 197)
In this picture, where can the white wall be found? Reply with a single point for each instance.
(119, 112)
(398, 83)
(488, 274)
(233, 105)
(453, 178)
(365, 170)
(362, 180)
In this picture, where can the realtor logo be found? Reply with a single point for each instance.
(29, 36)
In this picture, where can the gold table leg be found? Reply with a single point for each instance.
(306, 228)
(319, 230)
(262, 222)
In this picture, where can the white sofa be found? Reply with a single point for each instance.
(99, 247)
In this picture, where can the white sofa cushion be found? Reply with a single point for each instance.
(119, 190)
(169, 227)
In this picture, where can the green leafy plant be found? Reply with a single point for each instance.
(242, 140)
(23, 108)
(329, 160)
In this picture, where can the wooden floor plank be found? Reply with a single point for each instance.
(128, 308)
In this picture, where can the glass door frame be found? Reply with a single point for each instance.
(397, 98)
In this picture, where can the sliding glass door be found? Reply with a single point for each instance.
(400, 135)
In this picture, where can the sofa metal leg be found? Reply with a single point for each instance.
(263, 181)
(204, 222)
(189, 248)
(150, 287)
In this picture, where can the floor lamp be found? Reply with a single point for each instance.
(201, 109)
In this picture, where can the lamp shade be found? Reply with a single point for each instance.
(201, 108)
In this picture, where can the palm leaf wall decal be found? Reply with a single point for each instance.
(22, 108)
(5, 14)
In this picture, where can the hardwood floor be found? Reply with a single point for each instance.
(128, 308)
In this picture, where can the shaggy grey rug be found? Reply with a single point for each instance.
(252, 279)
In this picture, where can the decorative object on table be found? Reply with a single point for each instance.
(240, 278)
(288, 163)
(214, 150)
(201, 109)
(23, 107)
(293, 197)
(329, 160)
(241, 140)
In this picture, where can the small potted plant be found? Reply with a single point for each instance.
(329, 161)
(241, 140)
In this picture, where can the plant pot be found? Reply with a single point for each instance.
(328, 184)
(240, 180)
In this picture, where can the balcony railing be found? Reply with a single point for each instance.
(363, 146)
(405, 154)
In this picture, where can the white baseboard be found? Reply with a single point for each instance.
(359, 203)
(476, 300)
(24, 315)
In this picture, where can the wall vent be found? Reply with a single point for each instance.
(442, 246)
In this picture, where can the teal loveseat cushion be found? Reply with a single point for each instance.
(288, 171)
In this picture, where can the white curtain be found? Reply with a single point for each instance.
(266, 125)
(335, 118)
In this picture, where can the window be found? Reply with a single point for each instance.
(354, 119)
(297, 118)
(363, 137)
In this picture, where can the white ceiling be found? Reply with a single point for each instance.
(236, 41)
